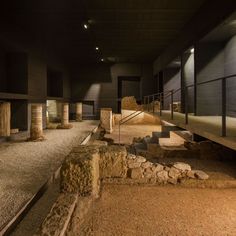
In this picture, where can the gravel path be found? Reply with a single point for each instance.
(126, 210)
(25, 166)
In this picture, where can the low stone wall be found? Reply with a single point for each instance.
(141, 169)
(88, 165)
(59, 216)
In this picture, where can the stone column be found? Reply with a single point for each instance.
(36, 129)
(64, 114)
(79, 111)
(64, 117)
(5, 119)
(106, 119)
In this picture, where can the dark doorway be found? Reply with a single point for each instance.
(129, 86)
(88, 110)
(54, 83)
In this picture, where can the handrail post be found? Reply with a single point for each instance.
(144, 102)
(153, 104)
(223, 101)
(160, 105)
(119, 133)
(172, 107)
(186, 105)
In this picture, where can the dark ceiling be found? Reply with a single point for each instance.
(124, 30)
(223, 32)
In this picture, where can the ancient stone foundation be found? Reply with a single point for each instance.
(106, 119)
(5, 119)
(129, 103)
(176, 106)
(65, 117)
(80, 171)
(87, 166)
(78, 111)
(36, 129)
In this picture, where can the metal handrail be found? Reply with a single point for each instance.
(185, 88)
(129, 115)
(121, 122)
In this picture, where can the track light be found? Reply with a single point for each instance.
(85, 26)
(192, 50)
(97, 48)
(102, 59)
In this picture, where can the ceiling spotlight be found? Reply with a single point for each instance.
(192, 50)
(97, 48)
(86, 26)
(102, 59)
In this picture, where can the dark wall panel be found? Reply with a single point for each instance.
(209, 65)
(188, 78)
(172, 81)
(230, 69)
(99, 83)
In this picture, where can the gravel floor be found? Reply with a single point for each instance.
(125, 210)
(25, 166)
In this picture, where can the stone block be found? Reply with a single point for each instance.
(106, 119)
(113, 161)
(199, 174)
(136, 173)
(59, 216)
(80, 171)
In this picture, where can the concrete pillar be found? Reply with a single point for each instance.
(79, 111)
(36, 129)
(64, 117)
(106, 119)
(5, 119)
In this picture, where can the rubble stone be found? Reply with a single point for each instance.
(131, 156)
(157, 167)
(148, 173)
(162, 176)
(140, 159)
(136, 173)
(199, 174)
(174, 173)
(133, 164)
(190, 174)
(182, 166)
(147, 164)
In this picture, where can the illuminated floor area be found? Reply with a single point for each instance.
(126, 210)
(206, 126)
(26, 166)
(128, 132)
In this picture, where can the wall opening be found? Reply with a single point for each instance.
(54, 83)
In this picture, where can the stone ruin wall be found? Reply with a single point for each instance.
(86, 167)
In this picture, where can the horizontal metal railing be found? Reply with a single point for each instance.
(163, 95)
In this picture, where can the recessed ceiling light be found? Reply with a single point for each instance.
(192, 50)
(86, 26)
(97, 48)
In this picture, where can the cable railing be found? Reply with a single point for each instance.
(160, 97)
